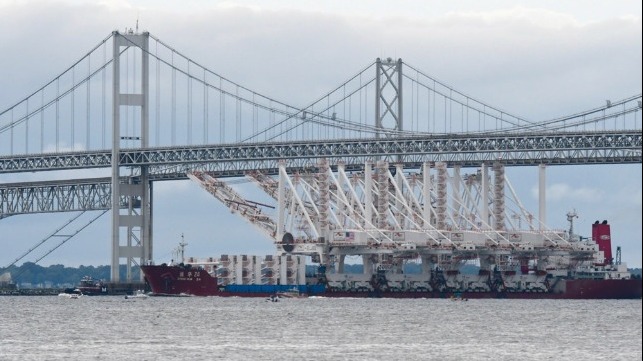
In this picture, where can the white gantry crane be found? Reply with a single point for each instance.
(389, 217)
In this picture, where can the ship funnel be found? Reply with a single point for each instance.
(602, 236)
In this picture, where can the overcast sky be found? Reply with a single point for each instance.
(536, 59)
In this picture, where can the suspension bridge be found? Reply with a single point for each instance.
(140, 108)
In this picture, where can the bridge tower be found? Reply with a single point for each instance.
(388, 85)
(131, 227)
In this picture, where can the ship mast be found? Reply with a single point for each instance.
(180, 250)
(570, 218)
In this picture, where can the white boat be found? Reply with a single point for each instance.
(291, 293)
(139, 294)
(73, 295)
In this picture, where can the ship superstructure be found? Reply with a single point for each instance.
(242, 270)
(387, 217)
(253, 269)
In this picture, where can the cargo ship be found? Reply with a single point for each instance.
(274, 275)
(414, 234)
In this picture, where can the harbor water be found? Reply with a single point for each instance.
(214, 328)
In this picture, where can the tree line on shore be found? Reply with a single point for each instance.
(58, 275)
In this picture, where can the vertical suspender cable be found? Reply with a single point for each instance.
(412, 105)
(307, 126)
(57, 112)
(435, 121)
(73, 92)
(255, 110)
(445, 114)
(87, 106)
(157, 115)
(624, 127)
(583, 122)
(417, 104)
(189, 107)
(462, 117)
(221, 113)
(467, 115)
(350, 108)
(480, 120)
(238, 115)
(328, 117)
(221, 124)
(365, 106)
(429, 108)
(205, 108)
(344, 102)
(103, 95)
(173, 127)
(450, 110)
(27, 127)
(271, 118)
(360, 104)
(604, 120)
(42, 121)
(11, 134)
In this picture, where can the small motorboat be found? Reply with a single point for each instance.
(73, 294)
(292, 293)
(139, 294)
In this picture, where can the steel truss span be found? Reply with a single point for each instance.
(237, 161)
(56, 196)
(607, 147)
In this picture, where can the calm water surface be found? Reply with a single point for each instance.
(212, 328)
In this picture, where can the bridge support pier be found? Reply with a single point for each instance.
(131, 227)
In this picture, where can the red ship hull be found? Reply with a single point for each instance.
(176, 280)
